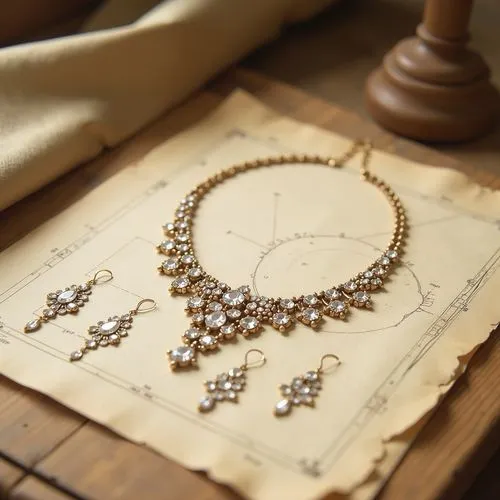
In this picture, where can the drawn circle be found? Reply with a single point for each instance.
(308, 263)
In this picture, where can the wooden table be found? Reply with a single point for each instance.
(48, 451)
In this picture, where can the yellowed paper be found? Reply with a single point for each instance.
(284, 231)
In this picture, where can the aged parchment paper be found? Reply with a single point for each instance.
(285, 231)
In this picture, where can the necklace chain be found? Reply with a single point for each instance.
(218, 312)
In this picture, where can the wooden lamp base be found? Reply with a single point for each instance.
(431, 87)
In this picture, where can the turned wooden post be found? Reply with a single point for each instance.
(432, 87)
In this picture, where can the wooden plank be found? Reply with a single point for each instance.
(10, 475)
(31, 425)
(91, 461)
(98, 464)
(32, 488)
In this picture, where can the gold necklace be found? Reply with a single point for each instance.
(218, 312)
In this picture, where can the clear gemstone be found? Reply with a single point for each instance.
(182, 225)
(171, 264)
(167, 246)
(231, 395)
(208, 341)
(91, 344)
(182, 238)
(114, 339)
(236, 386)
(304, 390)
(350, 286)
(211, 386)
(219, 396)
(332, 293)
(168, 227)
(311, 376)
(182, 355)
(287, 303)
(215, 306)
(361, 297)
(76, 355)
(368, 274)
(72, 307)
(182, 247)
(311, 314)
(297, 382)
(385, 261)
(286, 390)
(310, 300)
(180, 283)
(376, 282)
(206, 403)
(244, 289)
(66, 297)
(282, 407)
(226, 385)
(233, 313)
(194, 272)
(187, 259)
(195, 302)
(215, 320)
(392, 254)
(32, 325)
(233, 298)
(198, 318)
(337, 306)
(227, 329)
(249, 323)
(281, 319)
(192, 333)
(379, 271)
(252, 306)
(109, 327)
(235, 372)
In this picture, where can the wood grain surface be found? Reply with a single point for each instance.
(62, 453)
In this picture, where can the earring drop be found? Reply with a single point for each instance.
(226, 385)
(69, 300)
(111, 331)
(302, 390)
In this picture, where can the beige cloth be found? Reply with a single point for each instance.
(62, 101)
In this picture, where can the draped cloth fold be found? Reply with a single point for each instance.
(64, 100)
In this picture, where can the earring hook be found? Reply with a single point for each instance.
(322, 361)
(262, 359)
(140, 309)
(101, 275)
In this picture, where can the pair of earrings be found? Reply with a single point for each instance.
(301, 391)
(71, 299)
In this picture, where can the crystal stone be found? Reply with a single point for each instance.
(187, 259)
(287, 303)
(233, 298)
(281, 319)
(198, 318)
(350, 286)
(215, 306)
(206, 403)
(180, 283)
(109, 327)
(392, 254)
(32, 325)
(368, 274)
(231, 395)
(361, 297)
(311, 376)
(235, 372)
(66, 297)
(168, 227)
(379, 271)
(192, 333)
(171, 264)
(208, 341)
(211, 386)
(249, 323)
(182, 355)
(227, 329)
(332, 293)
(376, 282)
(76, 355)
(337, 306)
(244, 289)
(215, 320)
(194, 272)
(233, 313)
(195, 302)
(167, 246)
(385, 261)
(310, 300)
(297, 382)
(282, 407)
(72, 307)
(311, 314)
(91, 344)
(182, 238)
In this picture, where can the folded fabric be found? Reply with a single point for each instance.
(63, 100)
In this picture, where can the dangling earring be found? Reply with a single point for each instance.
(69, 300)
(302, 389)
(226, 385)
(111, 331)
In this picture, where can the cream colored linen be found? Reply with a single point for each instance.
(285, 230)
(62, 101)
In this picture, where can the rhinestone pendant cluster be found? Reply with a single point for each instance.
(225, 387)
(220, 313)
(109, 332)
(301, 391)
(61, 302)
